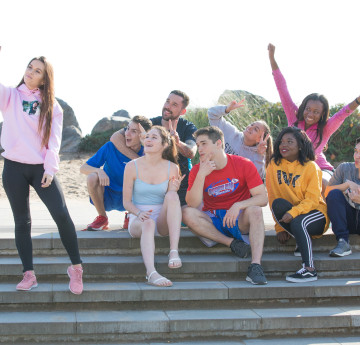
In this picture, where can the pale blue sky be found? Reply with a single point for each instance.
(115, 54)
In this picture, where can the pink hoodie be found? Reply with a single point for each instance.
(331, 126)
(19, 137)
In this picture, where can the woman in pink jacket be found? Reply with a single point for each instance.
(31, 137)
(312, 116)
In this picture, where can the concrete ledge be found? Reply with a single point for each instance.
(194, 266)
(182, 322)
(119, 242)
(186, 294)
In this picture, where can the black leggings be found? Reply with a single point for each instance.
(17, 179)
(301, 227)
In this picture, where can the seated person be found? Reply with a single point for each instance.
(343, 201)
(233, 194)
(293, 182)
(105, 185)
(151, 183)
(180, 129)
(254, 143)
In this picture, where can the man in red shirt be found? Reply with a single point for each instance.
(233, 193)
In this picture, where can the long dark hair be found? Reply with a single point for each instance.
(170, 152)
(47, 103)
(324, 116)
(306, 149)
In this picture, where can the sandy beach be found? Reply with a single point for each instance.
(73, 183)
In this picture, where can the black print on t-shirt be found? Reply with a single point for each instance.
(287, 179)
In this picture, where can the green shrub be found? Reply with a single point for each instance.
(341, 143)
(92, 142)
(198, 116)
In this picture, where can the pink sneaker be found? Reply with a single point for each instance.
(28, 282)
(99, 223)
(76, 284)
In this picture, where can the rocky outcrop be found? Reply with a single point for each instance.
(122, 113)
(71, 135)
(252, 101)
(113, 123)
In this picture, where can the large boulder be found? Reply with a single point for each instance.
(113, 123)
(252, 101)
(71, 135)
(122, 113)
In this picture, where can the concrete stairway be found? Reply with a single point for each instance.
(210, 301)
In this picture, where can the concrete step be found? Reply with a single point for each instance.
(177, 325)
(338, 340)
(195, 267)
(118, 242)
(183, 295)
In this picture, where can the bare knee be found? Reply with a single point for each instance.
(148, 226)
(189, 215)
(254, 213)
(92, 180)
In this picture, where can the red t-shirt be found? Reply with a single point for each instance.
(225, 187)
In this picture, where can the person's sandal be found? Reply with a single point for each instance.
(175, 262)
(157, 282)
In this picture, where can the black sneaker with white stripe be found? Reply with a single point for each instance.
(302, 275)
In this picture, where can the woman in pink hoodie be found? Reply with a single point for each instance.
(312, 116)
(31, 137)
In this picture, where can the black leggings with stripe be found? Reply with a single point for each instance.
(17, 179)
(301, 227)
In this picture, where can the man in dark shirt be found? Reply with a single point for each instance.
(181, 129)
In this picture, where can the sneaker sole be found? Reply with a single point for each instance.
(34, 286)
(252, 282)
(334, 255)
(98, 229)
(75, 293)
(301, 280)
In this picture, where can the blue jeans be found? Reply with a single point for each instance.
(343, 217)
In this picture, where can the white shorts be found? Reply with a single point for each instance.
(154, 215)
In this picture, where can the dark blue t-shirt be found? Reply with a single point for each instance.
(185, 130)
(114, 164)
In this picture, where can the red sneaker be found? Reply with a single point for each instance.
(126, 221)
(28, 282)
(100, 223)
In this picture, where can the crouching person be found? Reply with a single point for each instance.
(233, 194)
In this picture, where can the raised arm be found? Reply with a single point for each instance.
(273, 63)
(233, 137)
(118, 139)
(337, 119)
(5, 95)
(289, 106)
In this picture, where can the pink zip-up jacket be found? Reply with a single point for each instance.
(331, 126)
(20, 138)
